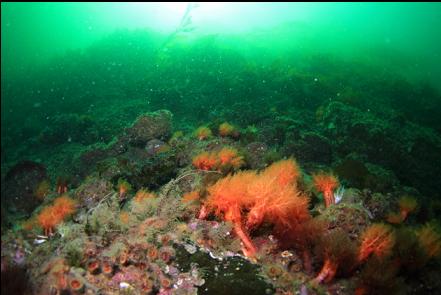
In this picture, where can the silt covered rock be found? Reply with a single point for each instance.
(149, 126)
(92, 190)
(311, 147)
(19, 187)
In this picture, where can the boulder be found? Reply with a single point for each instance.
(19, 186)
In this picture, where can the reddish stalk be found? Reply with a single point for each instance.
(249, 249)
(203, 212)
(307, 264)
(329, 198)
(327, 272)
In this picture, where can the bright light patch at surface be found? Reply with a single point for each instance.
(173, 8)
(202, 14)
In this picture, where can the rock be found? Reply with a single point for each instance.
(353, 171)
(130, 150)
(421, 164)
(255, 154)
(139, 168)
(15, 280)
(380, 179)
(110, 168)
(18, 188)
(69, 128)
(312, 147)
(360, 175)
(156, 146)
(411, 151)
(88, 160)
(280, 129)
(355, 131)
(378, 204)
(233, 275)
(92, 190)
(157, 125)
(150, 172)
(352, 218)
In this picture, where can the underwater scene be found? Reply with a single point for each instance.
(220, 148)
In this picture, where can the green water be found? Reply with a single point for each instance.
(348, 88)
(91, 68)
(103, 64)
(35, 32)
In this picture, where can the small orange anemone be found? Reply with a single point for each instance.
(61, 185)
(407, 205)
(43, 189)
(123, 187)
(339, 254)
(304, 237)
(430, 240)
(378, 239)
(226, 129)
(76, 285)
(93, 266)
(166, 254)
(152, 253)
(52, 215)
(29, 224)
(229, 157)
(326, 184)
(107, 267)
(203, 133)
(143, 194)
(64, 206)
(124, 217)
(205, 161)
(394, 218)
(165, 282)
(48, 219)
(123, 257)
(190, 197)
(176, 137)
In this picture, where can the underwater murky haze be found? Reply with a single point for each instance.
(220, 148)
(35, 32)
(196, 59)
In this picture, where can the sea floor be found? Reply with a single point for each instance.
(216, 211)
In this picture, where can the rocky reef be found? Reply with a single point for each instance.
(220, 211)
